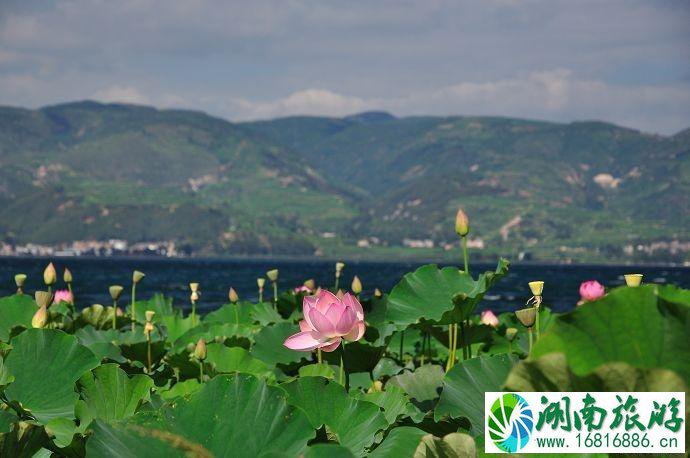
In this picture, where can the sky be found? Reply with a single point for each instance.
(622, 61)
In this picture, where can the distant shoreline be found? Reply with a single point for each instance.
(318, 259)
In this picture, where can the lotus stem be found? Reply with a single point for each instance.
(134, 305)
(537, 322)
(114, 314)
(193, 313)
(237, 314)
(148, 353)
(451, 344)
(465, 257)
(275, 295)
(261, 295)
(201, 371)
(402, 341)
(319, 357)
(344, 376)
(531, 338)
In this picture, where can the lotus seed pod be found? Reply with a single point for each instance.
(49, 275)
(462, 223)
(537, 287)
(115, 292)
(67, 276)
(633, 280)
(200, 350)
(194, 287)
(378, 293)
(511, 333)
(97, 309)
(40, 318)
(43, 298)
(260, 282)
(356, 286)
(149, 315)
(190, 347)
(194, 296)
(311, 284)
(527, 316)
(232, 295)
(339, 266)
(272, 274)
(137, 276)
(19, 280)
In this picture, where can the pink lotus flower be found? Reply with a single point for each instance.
(488, 318)
(591, 291)
(302, 289)
(62, 295)
(328, 320)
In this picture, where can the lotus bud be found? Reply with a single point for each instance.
(511, 333)
(43, 298)
(194, 296)
(462, 223)
(49, 275)
(137, 276)
(19, 280)
(149, 315)
(119, 312)
(40, 318)
(194, 287)
(232, 295)
(378, 293)
(376, 387)
(115, 292)
(97, 309)
(633, 280)
(356, 285)
(190, 347)
(339, 266)
(148, 327)
(200, 350)
(311, 284)
(272, 274)
(537, 287)
(260, 282)
(67, 276)
(527, 316)
(488, 318)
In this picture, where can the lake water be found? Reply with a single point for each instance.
(92, 276)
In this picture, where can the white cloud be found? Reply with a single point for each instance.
(121, 94)
(306, 102)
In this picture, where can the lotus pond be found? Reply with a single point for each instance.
(314, 371)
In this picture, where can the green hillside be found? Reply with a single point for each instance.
(304, 185)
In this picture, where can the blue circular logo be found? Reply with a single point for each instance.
(510, 422)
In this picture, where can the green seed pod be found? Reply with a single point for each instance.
(527, 316)
(115, 292)
(19, 280)
(43, 298)
(137, 276)
(511, 333)
(272, 274)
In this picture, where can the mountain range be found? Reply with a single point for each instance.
(369, 185)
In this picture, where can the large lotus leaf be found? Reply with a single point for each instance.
(354, 422)
(423, 384)
(359, 356)
(226, 314)
(45, 364)
(318, 370)
(235, 359)
(673, 294)
(268, 345)
(61, 430)
(109, 394)
(181, 389)
(209, 331)
(427, 294)
(627, 325)
(5, 376)
(16, 310)
(176, 326)
(454, 445)
(230, 416)
(465, 384)
(124, 441)
(552, 373)
(394, 402)
(400, 442)
(100, 342)
(7, 419)
(264, 313)
(158, 303)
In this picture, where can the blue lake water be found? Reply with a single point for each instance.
(92, 276)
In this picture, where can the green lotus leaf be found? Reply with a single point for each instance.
(627, 325)
(123, 441)
(428, 292)
(231, 415)
(264, 314)
(7, 419)
(45, 364)
(354, 422)
(5, 376)
(454, 445)
(109, 394)
(235, 359)
(16, 310)
(394, 402)
(176, 326)
(552, 373)
(400, 442)
(318, 370)
(226, 314)
(100, 342)
(268, 345)
(181, 389)
(328, 451)
(209, 331)
(158, 303)
(61, 430)
(465, 384)
(386, 367)
(422, 385)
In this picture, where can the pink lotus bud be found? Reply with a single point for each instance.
(591, 291)
(327, 320)
(62, 295)
(488, 318)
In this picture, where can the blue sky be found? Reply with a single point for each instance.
(623, 61)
